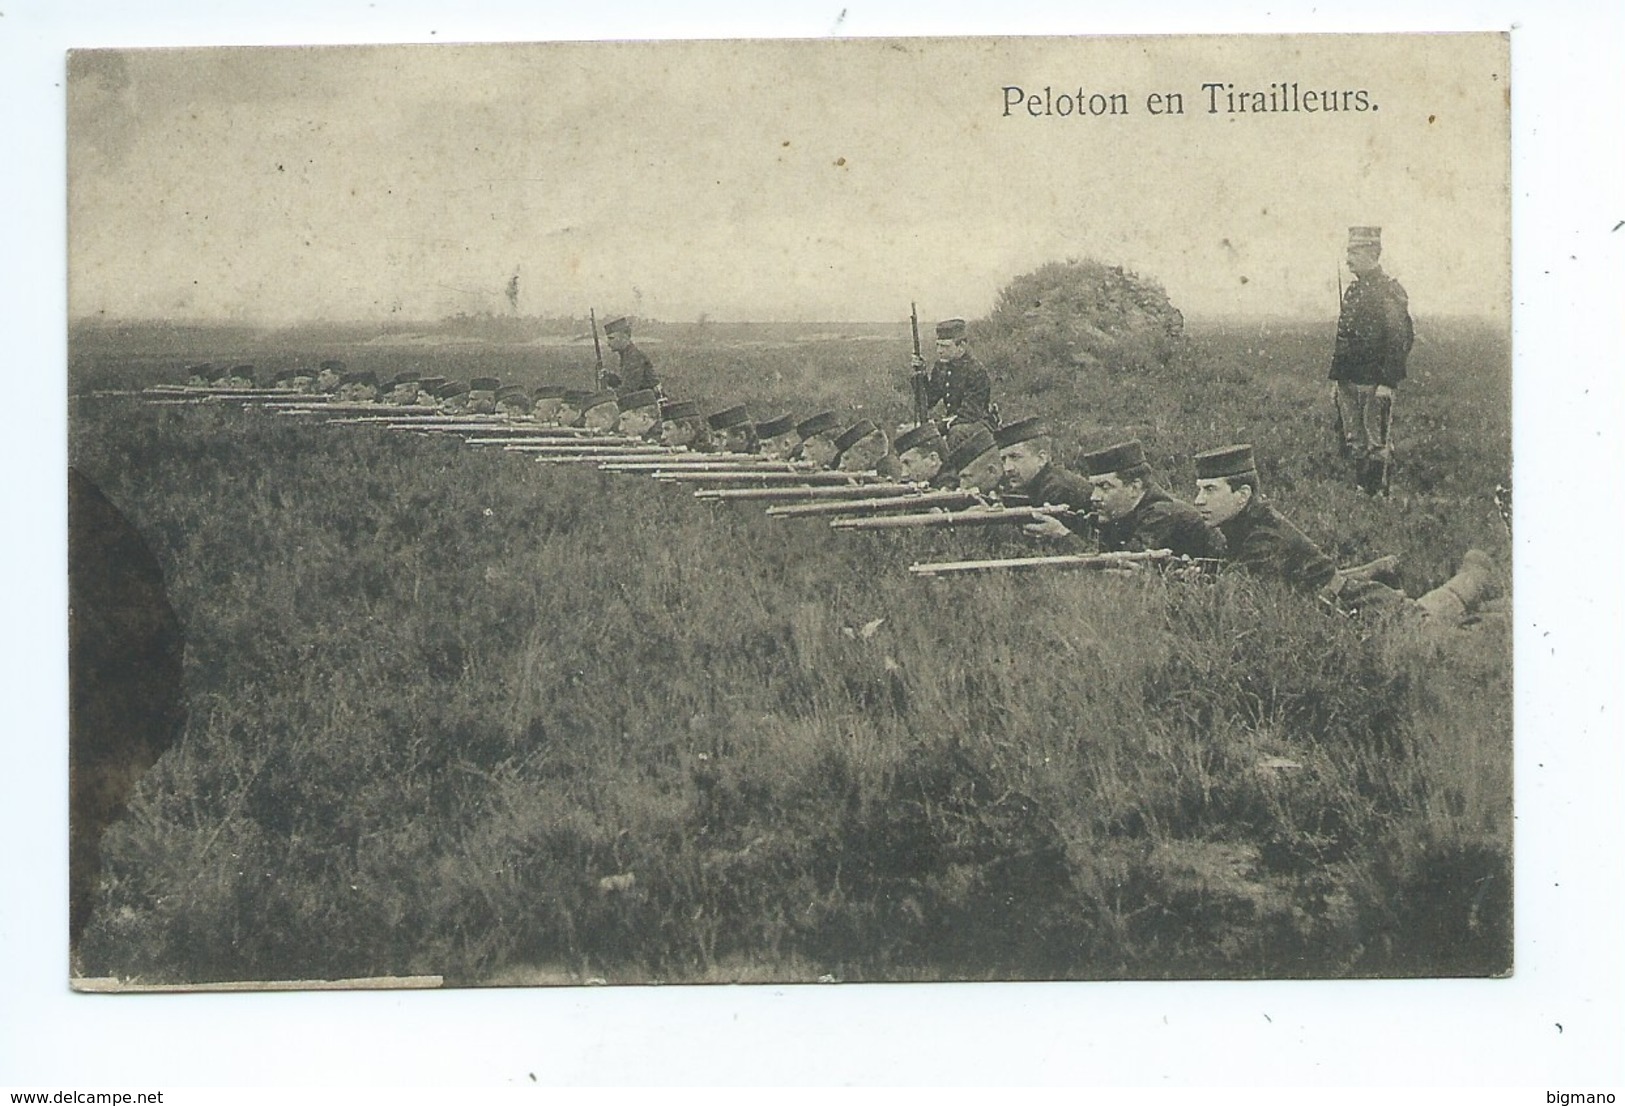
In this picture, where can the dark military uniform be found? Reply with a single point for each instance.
(962, 387)
(637, 373)
(1262, 541)
(1160, 521)
(1056, 485)
(1374, 332)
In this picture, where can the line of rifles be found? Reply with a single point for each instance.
(805, 469)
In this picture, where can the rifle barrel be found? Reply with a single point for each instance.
(853, 505)
(974, 516)
(1069, 560)
(818, 491)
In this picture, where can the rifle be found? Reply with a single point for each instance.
(770, 476)
(654, 465)
(972, 516)
(825, 492)
(922, 409)
(873, 504)
(597, 351)
(1066, 560)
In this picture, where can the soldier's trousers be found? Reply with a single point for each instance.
(1367, 419)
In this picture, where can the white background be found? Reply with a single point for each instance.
(1556, 1024)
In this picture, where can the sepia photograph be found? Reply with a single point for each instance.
(824, 546)
(903, 509)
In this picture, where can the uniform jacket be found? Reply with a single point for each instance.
(1262, 541)
(1374, 332)
(1160, 521)
(1056, 485)
(637, 373)
(962, 387)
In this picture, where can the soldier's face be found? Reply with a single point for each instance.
(1217, 502)
(779, 448)
(639, 422)
(1112, 499)
(950, 349)
(602, 417)
(920, 465)
(820, 450)
(737, 439)
(365, 393)
(1023, 462)
(568, 415)
(982, 474)
(677, 433)
(455, 405)
(865, 453)
(1362, 259)
(404, 394)
(327, 380)
(547, 410)
(619, 339)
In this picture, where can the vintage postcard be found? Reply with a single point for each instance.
(922, 510)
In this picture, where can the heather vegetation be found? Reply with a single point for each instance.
(453, 711)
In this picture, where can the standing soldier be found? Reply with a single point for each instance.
(1374, 337)
(637, 372)
(957, 380)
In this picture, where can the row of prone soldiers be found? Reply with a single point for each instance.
(1115, 505)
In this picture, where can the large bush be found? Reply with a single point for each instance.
(1081, 314)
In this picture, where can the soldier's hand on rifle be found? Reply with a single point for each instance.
(1046, 526)
(916, 362)
(1384, 392)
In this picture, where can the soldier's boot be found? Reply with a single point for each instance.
(1448, 605)
(1383, 570)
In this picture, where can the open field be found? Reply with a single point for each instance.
(454, 712)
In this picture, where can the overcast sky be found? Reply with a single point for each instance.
(834, 179)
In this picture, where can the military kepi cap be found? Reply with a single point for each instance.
(622, 324)
(968, 445)
(360, 376)
(925, 436)
(772, 428)
(951, 328)
(729, 417)
(451, 388)
(484, 384)
(405, 376)
(1232, 460)
(854, 434)
(680, 409)
(633, 401)
(598, 399)
(1114, 458)
(821, 423)
(1022, 430)
(550, 391)
(1365, 236)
